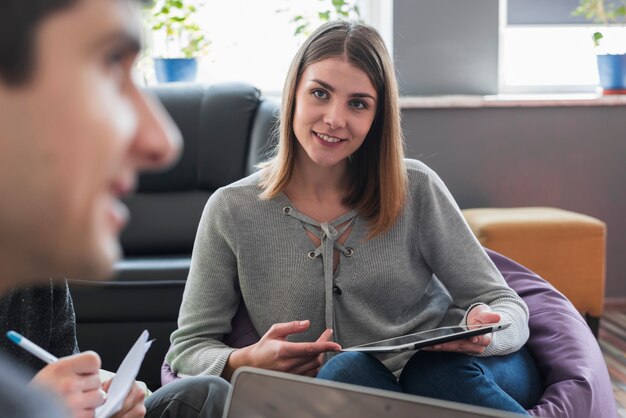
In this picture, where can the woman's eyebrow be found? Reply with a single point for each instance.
(324, 84)
(332, 89)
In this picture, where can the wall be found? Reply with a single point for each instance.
(446, 46)
(568, 157)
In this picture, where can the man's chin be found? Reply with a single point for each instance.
(99, 265)
(104, 267)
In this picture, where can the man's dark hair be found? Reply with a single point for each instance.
(19, 21)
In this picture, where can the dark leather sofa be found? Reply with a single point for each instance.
(227, 129)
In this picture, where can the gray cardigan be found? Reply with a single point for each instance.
(45, 315)
(426, 271)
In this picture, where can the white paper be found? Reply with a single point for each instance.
(124, 378)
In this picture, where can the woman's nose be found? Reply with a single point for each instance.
(335, 116)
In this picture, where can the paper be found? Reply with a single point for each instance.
(124, 378)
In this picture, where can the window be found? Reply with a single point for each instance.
(546, 49)
(254, 42)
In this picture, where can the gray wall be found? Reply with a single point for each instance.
(542, 12)
(568, 157)
(446, 46)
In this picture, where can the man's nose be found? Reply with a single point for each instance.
(158, 141)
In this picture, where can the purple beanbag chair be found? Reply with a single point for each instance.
(575, 377)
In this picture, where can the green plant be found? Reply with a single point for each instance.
(328, 10)
(176, 21)
(601, 11)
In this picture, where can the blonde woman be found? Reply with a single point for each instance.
(339, 240)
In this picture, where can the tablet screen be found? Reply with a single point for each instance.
(426, 338)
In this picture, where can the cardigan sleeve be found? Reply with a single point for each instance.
(459, 261)
(63, 325)
(211, 296)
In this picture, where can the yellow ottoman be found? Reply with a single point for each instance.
(565, 248)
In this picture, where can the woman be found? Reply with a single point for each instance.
(351, 243)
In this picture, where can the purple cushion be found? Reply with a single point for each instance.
(575, 377)
(167, 375)
(242, 335)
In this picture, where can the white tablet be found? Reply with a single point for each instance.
(427, 338)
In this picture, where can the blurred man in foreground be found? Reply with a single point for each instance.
(75, 131)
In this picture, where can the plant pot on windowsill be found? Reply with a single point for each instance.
(612, 71)
(611, 68)
(169, 70)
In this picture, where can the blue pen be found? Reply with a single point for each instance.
(36, 351)
(31, 347)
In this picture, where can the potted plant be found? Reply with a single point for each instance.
(175, 28)
(611, 67)
(328, 10)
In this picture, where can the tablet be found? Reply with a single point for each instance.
(263, 393)
(427, 338)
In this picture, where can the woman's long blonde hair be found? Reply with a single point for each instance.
(379, 179)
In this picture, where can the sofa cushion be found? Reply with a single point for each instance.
(163, 223)
(217, 123)
(264, 135)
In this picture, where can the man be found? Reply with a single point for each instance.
(45, 315)
(74, 132)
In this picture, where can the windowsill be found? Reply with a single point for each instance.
(511, 100)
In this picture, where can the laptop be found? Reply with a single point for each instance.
(258, 393)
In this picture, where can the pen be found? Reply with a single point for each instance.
(37, 351)
(31, 347)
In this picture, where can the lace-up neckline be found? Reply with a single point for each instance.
(328, 233)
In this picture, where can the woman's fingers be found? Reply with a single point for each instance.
(282, 330)
(327, 335)
(293, 350)
(482, 314)
(473, 345)
(275, 353)
(307, 367)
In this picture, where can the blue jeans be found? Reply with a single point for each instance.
(190, 397)
(510, 383)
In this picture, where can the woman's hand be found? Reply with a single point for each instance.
(273, 352)
(479, 315)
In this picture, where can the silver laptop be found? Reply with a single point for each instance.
(258, 393)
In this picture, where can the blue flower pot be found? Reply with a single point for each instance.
(170, 70)
(612, 71)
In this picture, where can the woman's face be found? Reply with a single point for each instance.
(334, 110)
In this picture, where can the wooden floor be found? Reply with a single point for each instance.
(613, 344)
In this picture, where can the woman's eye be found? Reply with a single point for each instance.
(320, 94)
(358, 104)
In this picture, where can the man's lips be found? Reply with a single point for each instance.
(122, 187)
(119, 212)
